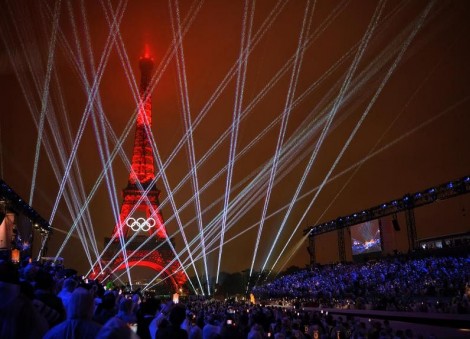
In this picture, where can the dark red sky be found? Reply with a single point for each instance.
(410, 84)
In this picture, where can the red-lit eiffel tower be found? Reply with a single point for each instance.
(140, 212)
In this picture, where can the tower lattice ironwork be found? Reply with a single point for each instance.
(140, 216)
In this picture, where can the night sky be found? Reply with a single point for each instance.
(374, 105)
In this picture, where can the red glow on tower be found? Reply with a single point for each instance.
(142, 174)
(146, 52)
(140, 210)
(142, 156)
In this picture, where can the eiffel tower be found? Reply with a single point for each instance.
(140, 216)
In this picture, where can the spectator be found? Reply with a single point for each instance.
(161, 319)
(145, 315)
(174, 330)
(45, 299)
(210, 329)
(116, 328)
(18, 317)
(126, 311)
(79, 314)
(106, 309)
(66, 293)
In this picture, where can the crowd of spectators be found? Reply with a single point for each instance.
(433, 284)
(46, 301)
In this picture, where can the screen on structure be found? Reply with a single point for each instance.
(365, 238)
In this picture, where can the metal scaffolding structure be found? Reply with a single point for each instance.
(311, 250)
(341, 245)
(405, 204)
(411, 227)
(11, 201)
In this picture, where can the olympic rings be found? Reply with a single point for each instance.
(140, 224)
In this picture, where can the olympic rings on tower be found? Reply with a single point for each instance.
(140, 224)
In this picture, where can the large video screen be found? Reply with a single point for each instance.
(365, 238)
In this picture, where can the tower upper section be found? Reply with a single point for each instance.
(143, 169)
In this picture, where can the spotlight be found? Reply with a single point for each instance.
(407, 201)
(459, 187)
(432, 194)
